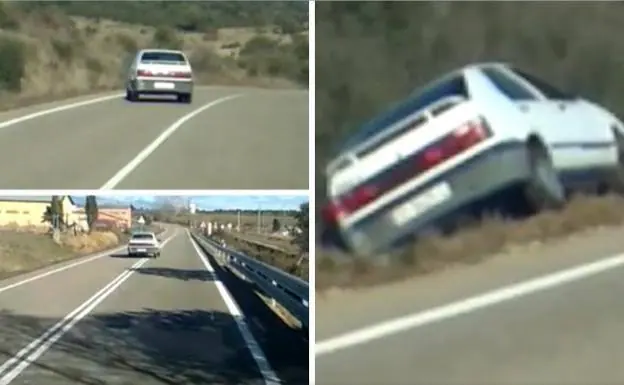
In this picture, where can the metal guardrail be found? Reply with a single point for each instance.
(289, 291)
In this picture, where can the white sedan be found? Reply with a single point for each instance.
(160, 72)
(467, 136)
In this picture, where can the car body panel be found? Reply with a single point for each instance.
(578, 135)
(154, 77)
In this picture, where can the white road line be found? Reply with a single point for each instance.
(36, 348)
(53, 110)
(63, 268)
(147, 151)
(465, 306)
(26, 356)
(268, 374)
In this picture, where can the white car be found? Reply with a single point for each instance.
(160, 72)
(144, 243)
(470, 135)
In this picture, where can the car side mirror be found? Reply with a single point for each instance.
(159, 240)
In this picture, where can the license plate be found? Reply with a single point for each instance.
(421, 203)
(141, 250)
(163, 86)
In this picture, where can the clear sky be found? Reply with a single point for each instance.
(211, 202)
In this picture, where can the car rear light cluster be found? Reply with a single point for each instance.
(459, 140)
(178, 74)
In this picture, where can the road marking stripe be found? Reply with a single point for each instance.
(36, 348)
(465, 306)
(55, 332)
(63, 268)
(53, 110)
(268, 374)
(147, 151)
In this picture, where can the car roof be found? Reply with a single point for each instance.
(149, 50)
(143, 233)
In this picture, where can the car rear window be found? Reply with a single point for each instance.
(142, 236)
(163, 57)
(453, 85)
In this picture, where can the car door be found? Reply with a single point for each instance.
(541, 116)
(585, 138)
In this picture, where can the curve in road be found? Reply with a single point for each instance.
(117, 320)
(549, 316)
(229, 138)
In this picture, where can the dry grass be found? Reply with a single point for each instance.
(280, 242)
(469, 246)
(30, 249)
(284, 261)
(70, 56)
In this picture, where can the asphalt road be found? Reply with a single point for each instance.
(168, 322)
(570, 333)
(256, 139)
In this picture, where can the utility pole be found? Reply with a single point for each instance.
(238, 213)
(258, 219)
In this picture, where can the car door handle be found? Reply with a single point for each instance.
(562, 106)
(524, 108)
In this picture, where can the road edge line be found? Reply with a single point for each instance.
(258, 355)
(82, 260)
(160, 139)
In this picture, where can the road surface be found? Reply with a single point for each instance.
(170, 321)
(567, 331)
(228, 138)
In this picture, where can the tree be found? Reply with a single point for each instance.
(91, 209)
(303, 223)
(54, 212)
(276, 225)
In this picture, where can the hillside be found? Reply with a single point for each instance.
(369, 54)
(57, 49)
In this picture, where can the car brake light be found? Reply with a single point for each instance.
(464, 137)
(143, 73)
(184, 75)
(350, 202)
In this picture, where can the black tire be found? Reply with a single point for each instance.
(185, 98)
(615, 179)
(131, 96)
(543, 190)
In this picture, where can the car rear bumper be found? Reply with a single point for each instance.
(143, 250)
(503, 165)
(161, 86)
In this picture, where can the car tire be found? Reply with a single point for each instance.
(615, 179)
(543, 190)
(185, 98)
(131, 96)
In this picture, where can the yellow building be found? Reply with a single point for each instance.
(30, 210)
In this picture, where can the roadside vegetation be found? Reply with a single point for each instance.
(370, 54)
(27, 248)
(50, 50)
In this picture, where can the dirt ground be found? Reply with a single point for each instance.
(469, 246)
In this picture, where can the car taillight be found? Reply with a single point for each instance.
(464, 137)
(183, 75)
(143, 73)
(350, 202)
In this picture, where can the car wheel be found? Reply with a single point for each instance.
(615, 180)
(131, 96)
(543, 190)
(185, 98)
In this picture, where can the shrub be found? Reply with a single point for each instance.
(166, 37)
(12, 64)
(64, 49)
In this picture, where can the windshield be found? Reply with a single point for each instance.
(142, 236)
(163, 57)
(449, 85)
